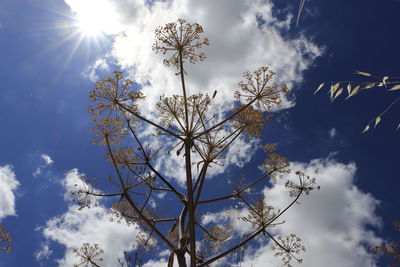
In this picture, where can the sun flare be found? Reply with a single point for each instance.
(89, 25)
(96, 17)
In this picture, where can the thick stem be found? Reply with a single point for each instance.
(184, 91)
(192, 235)
(202, 179)
(188, 163)
(181, 259)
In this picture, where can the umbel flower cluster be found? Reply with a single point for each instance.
(5, 240)
(188, 129)
(183, 40)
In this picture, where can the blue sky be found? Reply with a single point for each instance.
(49, 63)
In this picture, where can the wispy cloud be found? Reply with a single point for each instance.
(43, 253)
(90, 72)
(332, 133)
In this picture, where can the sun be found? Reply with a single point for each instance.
(90, 25)
(94, 18)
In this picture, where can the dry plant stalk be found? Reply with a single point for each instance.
(392, 84)
(392, 249)
(299, 11)
(187, 121)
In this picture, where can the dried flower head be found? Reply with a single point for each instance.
(255, 88)
(172, 112)
(218, 235)
(211, 148)
(214, 240)
(146, 241)
(109, 94)
(148, 153)
(89, 254)
(109, 130)
(183, 39)
(252, 120)
(126, 157)
(122, 210)
(276, 164)
(85, 195)
(5, 240)
(390, 248)
(306, 184)
(260, 215)
(269, 147)
(287, 247)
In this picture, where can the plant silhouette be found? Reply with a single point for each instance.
(191, 131)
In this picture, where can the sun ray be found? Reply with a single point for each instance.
(88, 25)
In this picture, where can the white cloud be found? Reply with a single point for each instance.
(8, 186)
(157, 263)
(238, 43)
(332, 132)
(162, 262)
(334, 222)
(161, 195)
(70, 182)
(37, 172)
(45, 161)
(93, 225)
(44, 253)
(90, 72)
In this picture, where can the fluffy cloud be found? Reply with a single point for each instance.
(8, 186)
(239, 42)
(244, 35)
(157, 263)
(334, 222)
(75, 227)
(45, 161)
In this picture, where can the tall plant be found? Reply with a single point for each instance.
(195, 134)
